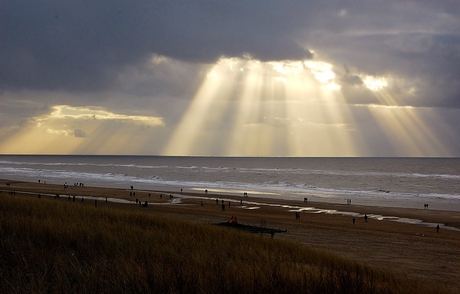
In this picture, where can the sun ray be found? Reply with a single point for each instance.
(274, 112)
(406, 132)
(204, 110)
(241, 136)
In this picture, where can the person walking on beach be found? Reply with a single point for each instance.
(365, 218)
(437, 228)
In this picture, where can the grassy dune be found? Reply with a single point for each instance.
(56, 246)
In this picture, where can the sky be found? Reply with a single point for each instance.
(230, 78)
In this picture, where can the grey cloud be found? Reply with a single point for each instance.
(79, 133)
(16, 112)
(352, 80)
(81, 45)
(414, 43)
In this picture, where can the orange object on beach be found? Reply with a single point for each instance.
(232, 220)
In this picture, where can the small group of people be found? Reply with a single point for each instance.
(138, 201)
(67, 185)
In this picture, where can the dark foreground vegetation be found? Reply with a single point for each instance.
(55, 246)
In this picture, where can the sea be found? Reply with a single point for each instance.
(388, 182)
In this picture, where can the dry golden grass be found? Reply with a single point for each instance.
(412, 251)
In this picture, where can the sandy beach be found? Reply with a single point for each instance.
(400, 239)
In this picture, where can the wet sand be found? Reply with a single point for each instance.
(414, 250)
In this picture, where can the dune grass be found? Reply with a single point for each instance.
(56, 246)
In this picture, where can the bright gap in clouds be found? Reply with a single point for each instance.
(246, 107)
(375, 84)
(81, 130)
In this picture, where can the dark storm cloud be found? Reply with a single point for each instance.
(82, 45)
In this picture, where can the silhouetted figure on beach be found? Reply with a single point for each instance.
(354, 220)
(297, 215)
(437, 228)
(305, 200)
(223, 207)
(365, 218)
(132, 187)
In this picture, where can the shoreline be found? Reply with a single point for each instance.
(413, 250)
(425, 217)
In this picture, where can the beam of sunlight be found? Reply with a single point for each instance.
(205, 110)
(296, 108)
(244, 130)
(271, 108)
(406, 132)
